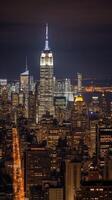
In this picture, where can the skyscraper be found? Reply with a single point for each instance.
(46, 96)
(24, 87)
(79, 83)
(79, 117)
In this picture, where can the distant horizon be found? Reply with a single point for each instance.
(73, 79)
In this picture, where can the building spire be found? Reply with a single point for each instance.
(46, 40)
(26, 64)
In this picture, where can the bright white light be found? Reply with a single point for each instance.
(50, 54)
(43, 54)
(94, 97)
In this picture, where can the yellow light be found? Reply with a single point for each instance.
(79, 99)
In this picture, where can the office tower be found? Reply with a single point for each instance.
(94, 105)
(109, 165)
(37, 168)
(69, 181)
(14, 105)
(59, 87)
(103, 143)
(60, 107)
(56, 193)
(79, 83)
(64, 88)
(111, 109)
(21, 98)
(79, 113)
(24, 87)
(5, 104)
(32, 84)
(3, 85)
(104, 107)
(92, 143)
(14, 99)
(46, 100)
(32, 107)
(4, 90)
(72, 179)
(15, 86)
(68, 90)
(77, 175)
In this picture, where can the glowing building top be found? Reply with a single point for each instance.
(26, 72)
(46, 92)
(78, 99)
(47, 39)
(46, 55)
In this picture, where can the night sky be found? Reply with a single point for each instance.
(80, 36)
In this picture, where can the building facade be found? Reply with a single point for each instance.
(46, 96)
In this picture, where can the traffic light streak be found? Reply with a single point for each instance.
(18, 181)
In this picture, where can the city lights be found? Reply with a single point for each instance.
(55, 135)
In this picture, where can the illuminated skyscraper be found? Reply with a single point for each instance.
(72, 179)
(46, 96)
(79, 86)
(37, 169)
(63, 88)
(79, 113)
(56, 193)
(24, 87)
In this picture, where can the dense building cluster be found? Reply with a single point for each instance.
(55, 137)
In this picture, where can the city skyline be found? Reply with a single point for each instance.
(79, 35)
(56, 100)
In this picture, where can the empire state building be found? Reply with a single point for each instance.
(46, 100)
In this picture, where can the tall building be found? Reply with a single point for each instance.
(46, 96)
(69, 181)
(103, 143)
(56, 193)
(79, 117)
(72, 179)
(79, 82)
(32, 106)
(37, 168)
(64, 88)
(24, 87)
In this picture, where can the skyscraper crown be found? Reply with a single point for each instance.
(46, 40)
